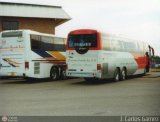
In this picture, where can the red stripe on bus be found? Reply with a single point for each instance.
(83, 31)
(140, 59)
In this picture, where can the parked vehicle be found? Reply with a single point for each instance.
(32, 54)
(92, 54)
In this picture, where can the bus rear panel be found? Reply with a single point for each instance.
(82, 54)
(12, 53)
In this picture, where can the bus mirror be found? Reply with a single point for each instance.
(152, 52)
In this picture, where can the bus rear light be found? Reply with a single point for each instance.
(99, 67)
(26, 65)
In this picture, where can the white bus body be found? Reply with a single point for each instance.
(27, 53)
(104, 56)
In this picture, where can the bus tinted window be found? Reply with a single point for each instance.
(12, 34)
(82, 40)
(129, 46)
(47, 43)
(106, 44)
(116, 45)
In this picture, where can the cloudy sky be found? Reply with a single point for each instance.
(135, 19)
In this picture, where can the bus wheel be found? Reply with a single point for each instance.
(123, 74)
(117, 75)
(54, 75)
(63, 74)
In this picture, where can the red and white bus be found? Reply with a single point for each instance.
(95, 55)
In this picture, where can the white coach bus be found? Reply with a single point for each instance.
(31, 54)
(94, 55)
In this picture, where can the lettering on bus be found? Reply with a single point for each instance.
(82, 44)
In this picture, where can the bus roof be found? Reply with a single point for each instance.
(83, 31)
(31, 32)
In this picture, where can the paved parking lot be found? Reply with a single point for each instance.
(134, 96)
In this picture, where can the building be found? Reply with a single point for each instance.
(42, 18)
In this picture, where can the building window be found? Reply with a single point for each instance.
(9, 25)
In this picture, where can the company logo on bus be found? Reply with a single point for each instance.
(82, 47)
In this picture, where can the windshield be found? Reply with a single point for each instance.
(12, 41)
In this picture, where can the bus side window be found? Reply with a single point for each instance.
(35, 42)
(34, 45)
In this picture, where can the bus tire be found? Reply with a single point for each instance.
(63, 74)
(54, 73)
(123, 74)
(117, 75)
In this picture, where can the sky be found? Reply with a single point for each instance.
(135, 19)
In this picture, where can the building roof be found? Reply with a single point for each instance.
(8, 9)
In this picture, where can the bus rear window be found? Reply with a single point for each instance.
(82, 40)
(12, 34)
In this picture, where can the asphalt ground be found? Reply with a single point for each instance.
(138, 95)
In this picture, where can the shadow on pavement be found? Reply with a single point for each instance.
(94, 82)
(25, 81)
(109, 81)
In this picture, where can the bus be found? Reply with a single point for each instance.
(92, 54)
(31, 54)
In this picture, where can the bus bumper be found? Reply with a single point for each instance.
(84, 74)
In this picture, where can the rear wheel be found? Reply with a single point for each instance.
(117, 75)
(63, 74)
(123, 74)
(54, 73)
